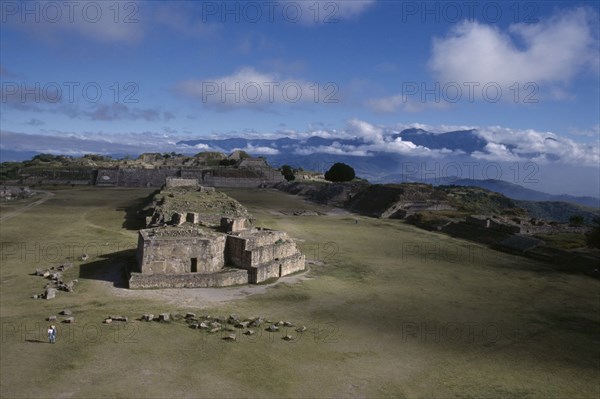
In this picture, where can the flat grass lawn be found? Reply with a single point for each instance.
(390, 311)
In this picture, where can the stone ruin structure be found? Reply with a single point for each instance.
(247, 173)
(196, 254)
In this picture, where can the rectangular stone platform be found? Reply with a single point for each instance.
(224, 278)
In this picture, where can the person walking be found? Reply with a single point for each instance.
(52, 334)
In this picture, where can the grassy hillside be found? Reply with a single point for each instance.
(557, 211)
(395, 311)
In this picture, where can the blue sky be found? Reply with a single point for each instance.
(520, 68)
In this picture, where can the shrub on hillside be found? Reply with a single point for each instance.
(340, 172)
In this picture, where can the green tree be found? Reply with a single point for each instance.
(340, 172)
(576, 220)
(288, 172)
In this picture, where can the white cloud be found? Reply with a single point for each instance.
(100, 21)
(531, 145)
(247, 88)
(259, 150)
(365, 130)
(549, 53)
(335, 148)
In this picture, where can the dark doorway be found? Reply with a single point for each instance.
(194, 268)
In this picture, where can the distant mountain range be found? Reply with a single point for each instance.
(312, 154)
(371, 160)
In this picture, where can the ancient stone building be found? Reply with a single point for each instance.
(193, 249)
(195, 256)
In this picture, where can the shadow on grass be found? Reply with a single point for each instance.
(135, 216)
(112, 267)
(36, 341)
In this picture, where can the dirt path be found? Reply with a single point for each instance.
(10, 215)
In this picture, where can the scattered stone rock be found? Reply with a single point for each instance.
(66, 312)
(69, 320)
(280, 323)
(301, 329)
(272, 328)
(256, 322)
(84, 257)
(214, 324)
(50, 293)
(233, 319)
(67, 286)
(64, 267)
(242, 324)
(288, 324)
(190, 315)
(118, 318)
(214, 330)
(51, 318)
(108, 321)
(35, 296)
(230, 337)
(194, 326)
(249, 332)
(163, 317)
(204, 326)
(148, 317)
(288, 338)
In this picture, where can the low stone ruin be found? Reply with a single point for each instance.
(56, 283)
(230, 328)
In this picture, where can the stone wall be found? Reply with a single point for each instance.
(265, 254)
(139, 177)
(181, 182)
(107, 177)
(174, 255)
(277, 268)
(235, 225)
(223, 278)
